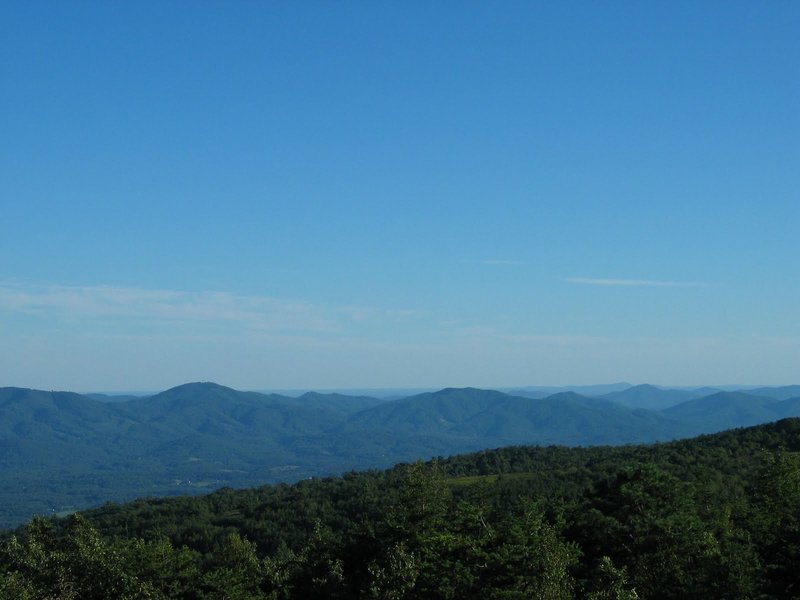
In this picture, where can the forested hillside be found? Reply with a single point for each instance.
(712, 517)
(61, 451)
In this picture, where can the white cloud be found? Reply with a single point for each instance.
(130, 304)
(633, 282)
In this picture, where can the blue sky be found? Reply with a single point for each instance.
(415, 194)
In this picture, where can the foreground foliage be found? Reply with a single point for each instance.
(713, 517)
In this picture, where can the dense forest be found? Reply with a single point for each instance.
(711, 517)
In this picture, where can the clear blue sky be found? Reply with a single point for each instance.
(389, 194)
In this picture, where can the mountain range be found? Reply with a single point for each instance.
(60, 450)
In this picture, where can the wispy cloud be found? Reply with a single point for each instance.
(130, 304)
(634, 282)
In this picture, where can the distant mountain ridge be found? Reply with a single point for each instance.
(655, 398)
(60, 450)
(503, 419)
(779, 393)
(534, 391)
(726, 410)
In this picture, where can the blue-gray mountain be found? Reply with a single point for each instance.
(655, 398)
(61, 451)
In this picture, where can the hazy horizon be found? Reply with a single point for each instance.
(407, 391)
